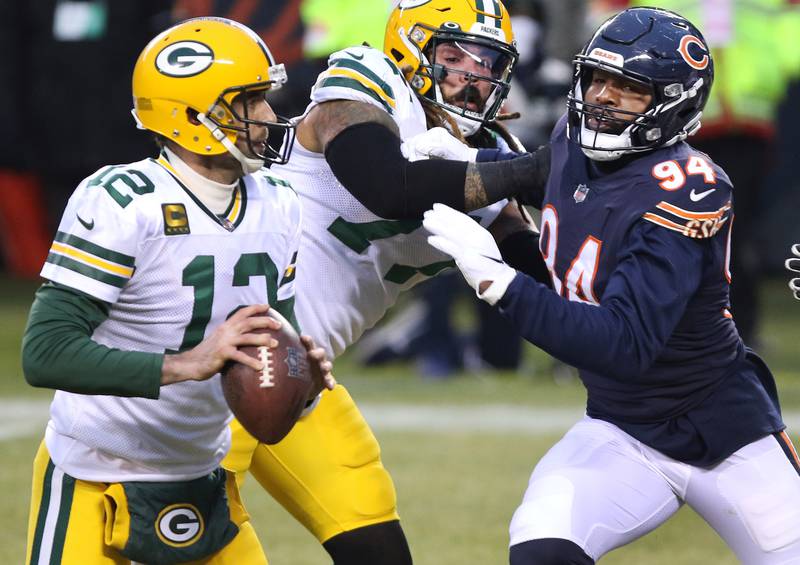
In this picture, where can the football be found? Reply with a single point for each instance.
(269, 402)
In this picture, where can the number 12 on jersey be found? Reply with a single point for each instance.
(578, 284)
(199, 275)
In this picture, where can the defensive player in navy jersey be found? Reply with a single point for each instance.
(636, 235)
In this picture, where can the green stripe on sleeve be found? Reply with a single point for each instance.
(86, 270)
(95, 249)
(367, 72)
(353, 84)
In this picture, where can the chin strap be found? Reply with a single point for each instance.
(249, 165)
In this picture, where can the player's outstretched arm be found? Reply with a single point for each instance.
(793, 264)
(208, 357)
(363, 148)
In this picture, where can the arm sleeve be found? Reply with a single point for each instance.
(522, 175)
(58, 352)
(521, 251)
(366, 158)
(644, 299)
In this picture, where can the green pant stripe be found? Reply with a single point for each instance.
(60, 534)
(44, 503)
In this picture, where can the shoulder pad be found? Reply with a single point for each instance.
(693, 196)
(359, 73)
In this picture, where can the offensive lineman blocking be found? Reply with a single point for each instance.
(368, 246)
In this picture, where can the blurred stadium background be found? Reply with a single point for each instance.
(460, 449)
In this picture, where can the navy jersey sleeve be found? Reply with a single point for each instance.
(657, 274)
(493, 155)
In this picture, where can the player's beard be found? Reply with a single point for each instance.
(470, 94)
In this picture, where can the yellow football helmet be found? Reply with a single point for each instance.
(185, 81)
(417, 27)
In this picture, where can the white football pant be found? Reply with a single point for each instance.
(601, 488)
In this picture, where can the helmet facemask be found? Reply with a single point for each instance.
(226, 125)
(481, 66)
(605, 133)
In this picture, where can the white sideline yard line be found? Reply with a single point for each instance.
(22, 418)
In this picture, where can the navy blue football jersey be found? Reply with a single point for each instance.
(640, 247)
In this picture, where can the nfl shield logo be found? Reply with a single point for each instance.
(580, 193)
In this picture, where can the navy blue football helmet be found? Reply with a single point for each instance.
(663, 52)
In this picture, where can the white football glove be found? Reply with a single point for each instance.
(793, 264)
(438, 143)
(473, 248)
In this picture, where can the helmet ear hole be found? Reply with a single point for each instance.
(398, 56)
(191, 115)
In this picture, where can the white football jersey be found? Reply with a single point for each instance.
(360, 262)
(135, 237)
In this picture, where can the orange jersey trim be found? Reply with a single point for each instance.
(656, 219)
(687, 215)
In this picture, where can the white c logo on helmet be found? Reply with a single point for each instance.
(184, 59)
(179, 525)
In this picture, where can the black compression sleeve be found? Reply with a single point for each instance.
(524, 177)
(367, 160)
(521, 251)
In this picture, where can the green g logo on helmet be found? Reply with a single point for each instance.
(184, 59)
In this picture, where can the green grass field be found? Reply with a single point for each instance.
(457, 488)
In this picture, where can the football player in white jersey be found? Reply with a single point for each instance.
(160, 269)
(445, 62)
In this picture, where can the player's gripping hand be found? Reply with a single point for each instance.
(438, 143)
(793, 264)
(207, 358)
(473, 248)
(321, 368)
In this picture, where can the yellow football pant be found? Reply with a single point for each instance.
(67, 523)
(327, 472)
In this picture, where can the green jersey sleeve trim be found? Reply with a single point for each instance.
(353, 84)
(96, 250)
(58, 352)
(366, 72)
(86, 270)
